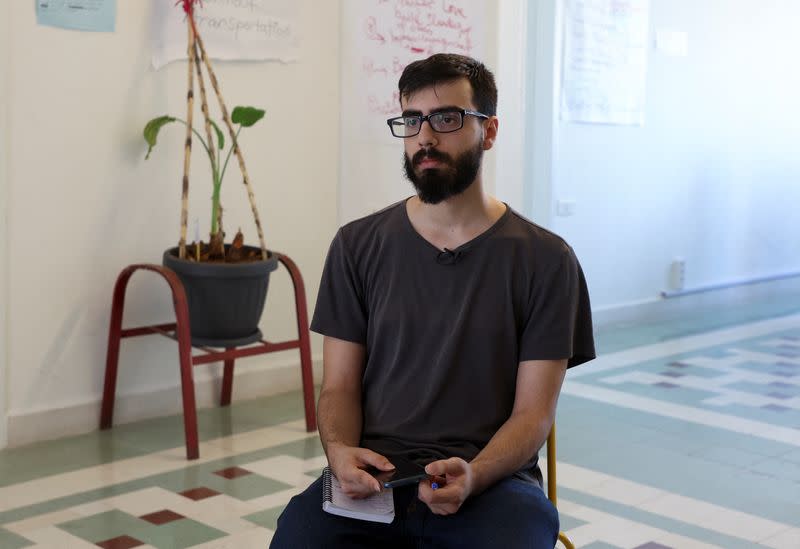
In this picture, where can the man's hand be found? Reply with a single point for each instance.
(458, 485)
(348, 464)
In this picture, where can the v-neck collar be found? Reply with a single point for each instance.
(469, 244)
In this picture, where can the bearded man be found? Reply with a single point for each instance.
(449, 321)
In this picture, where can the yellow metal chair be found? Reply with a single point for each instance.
(551, 481)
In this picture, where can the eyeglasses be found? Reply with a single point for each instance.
(441, 122)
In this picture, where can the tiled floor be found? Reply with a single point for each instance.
(684, 433)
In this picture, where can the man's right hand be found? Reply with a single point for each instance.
(348, 464)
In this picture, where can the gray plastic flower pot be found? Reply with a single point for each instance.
(226, 300)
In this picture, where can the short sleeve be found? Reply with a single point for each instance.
(340, 311)
(559, 320)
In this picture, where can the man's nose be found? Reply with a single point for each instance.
(426, 136)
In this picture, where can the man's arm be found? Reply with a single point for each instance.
(339, 416)
(511, 447)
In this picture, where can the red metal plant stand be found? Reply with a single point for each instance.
(179, 330)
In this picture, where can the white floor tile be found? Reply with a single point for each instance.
(682, 542)
(257, 537)
(742, 525)
(286, 469)
(786, 539)
(277, 499)
(147, 500)
(52, 537)
(41, 521)
(626, 492)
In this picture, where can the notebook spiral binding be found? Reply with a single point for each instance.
(326, 484)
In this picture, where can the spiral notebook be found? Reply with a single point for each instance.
(377, 508)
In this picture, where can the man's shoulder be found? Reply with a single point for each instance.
(533, 237)
(376, 224)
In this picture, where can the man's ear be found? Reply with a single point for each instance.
(490, 128)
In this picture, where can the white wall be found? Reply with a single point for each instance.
(83, 204)
(371, 168)
(5, 57)
(714, 174)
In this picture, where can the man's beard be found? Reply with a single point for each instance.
(454, 176)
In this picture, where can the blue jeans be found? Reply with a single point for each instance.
(512, 514)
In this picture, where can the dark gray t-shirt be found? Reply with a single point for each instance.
(445, 331)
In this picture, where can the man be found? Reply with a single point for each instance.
(449, 323)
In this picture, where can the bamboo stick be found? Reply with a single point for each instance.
(187, 151)
(240, 158)
(204, 107)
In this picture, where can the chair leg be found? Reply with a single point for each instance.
(306, 365)
(562, 537)
(183, 332)
(112, 353)
(551, 481)
(227, 381)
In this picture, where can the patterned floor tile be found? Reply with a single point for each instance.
(179, 534)
(53, 536)
(232, 472)
(120, 542)
(783, 540)
(161, 517)
(104, 526)
(617, 456)
(568, 522)
(10, 540)
(197, 494)
(267, 518)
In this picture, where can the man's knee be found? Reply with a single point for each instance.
(513, 513)
(297, 523)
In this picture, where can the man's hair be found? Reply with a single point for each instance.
(447, 67)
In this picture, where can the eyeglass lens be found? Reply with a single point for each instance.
(441, 122)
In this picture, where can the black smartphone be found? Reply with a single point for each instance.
(404, 472)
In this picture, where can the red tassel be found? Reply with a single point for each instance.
(188, 5)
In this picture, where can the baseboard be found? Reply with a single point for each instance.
(84, 418)
(660, 309)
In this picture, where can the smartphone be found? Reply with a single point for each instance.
(404, 472)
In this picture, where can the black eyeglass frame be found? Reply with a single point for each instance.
(421, 118)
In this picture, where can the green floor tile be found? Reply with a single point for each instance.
(780, 469)
(657, 521)
(729, 456)
(104, 526)
(177, 534)
(569, 522)
(791, 455)
(601, 545)
(248, 487)
(139, 438)
(267, 518)
(10, 540)
(58, 456)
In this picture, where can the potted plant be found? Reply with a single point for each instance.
(226, 284)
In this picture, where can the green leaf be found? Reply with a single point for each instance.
(220, 136)
(247, 116)
(151, 130)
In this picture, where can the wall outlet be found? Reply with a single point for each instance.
(677, 273)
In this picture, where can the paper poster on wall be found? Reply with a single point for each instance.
(255, 30)
(85, 15)
(389, 34)
(605, 61)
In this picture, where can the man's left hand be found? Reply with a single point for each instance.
(458, 485)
